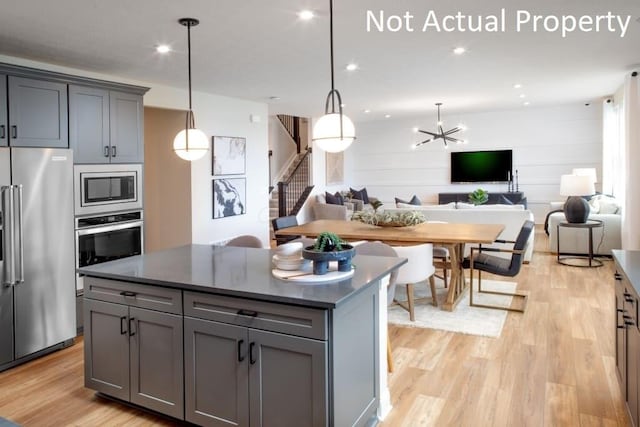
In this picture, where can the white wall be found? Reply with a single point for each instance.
(547, 142)
(215, 115)
(282, 146)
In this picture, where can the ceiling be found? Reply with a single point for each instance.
(258, 49)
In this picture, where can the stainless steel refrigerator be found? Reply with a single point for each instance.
(37, 294)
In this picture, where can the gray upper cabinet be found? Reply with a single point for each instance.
(3, 111)
(105, 126)
(37, 113)
(89, 124)
(126, 127)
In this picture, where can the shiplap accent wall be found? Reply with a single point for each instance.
(546, 142)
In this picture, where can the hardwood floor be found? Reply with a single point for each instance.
(554, 365)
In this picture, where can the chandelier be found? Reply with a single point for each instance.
(444, 135)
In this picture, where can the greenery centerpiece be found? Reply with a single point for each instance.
(479, 196)
(389, 219)
(329, 247)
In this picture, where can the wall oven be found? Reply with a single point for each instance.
(107, 237)
(107, 188)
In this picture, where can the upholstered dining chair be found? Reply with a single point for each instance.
(419, 267)
(382, 249)
(480, 260)
(245, 241)
(441, 259)
(284, 222)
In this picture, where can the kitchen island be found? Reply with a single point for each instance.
(208, 335)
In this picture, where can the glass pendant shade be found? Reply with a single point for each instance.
(198, 144)
(326, 133)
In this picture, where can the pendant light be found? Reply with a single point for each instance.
(334, 131)
(190, 143)
(440, 133)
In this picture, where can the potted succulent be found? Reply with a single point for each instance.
(329, 247)
(479, 196)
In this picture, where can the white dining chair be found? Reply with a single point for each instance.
(419, 267)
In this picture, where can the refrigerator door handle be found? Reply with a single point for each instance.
(8, 227)
(20, 252)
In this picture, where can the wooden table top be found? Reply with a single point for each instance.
(421, 233)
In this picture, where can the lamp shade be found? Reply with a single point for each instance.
(576, 185)
(326, 133)
(590, 172)
(198, 144)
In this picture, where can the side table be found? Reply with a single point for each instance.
(567, 260)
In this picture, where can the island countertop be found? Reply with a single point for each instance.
(240, 272)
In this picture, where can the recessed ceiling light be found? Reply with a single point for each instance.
(526, 103)
(274, 98)
(386, 116)
(306, 15)
(351, 67)
(522, 95)
(459, 50)
(367, 111)
(517, 86)
(163, 48)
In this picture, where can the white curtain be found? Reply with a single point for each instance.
(631, 209)
(613, 170)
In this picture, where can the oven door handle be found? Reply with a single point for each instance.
(108, 228)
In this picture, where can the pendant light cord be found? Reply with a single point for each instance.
(189, 59)
(333, 99)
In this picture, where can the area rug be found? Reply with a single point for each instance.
(464, 319)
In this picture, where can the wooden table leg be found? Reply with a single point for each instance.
(457, 283)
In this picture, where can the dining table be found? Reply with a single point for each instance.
(452, 236)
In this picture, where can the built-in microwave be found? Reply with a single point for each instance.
(107, 188)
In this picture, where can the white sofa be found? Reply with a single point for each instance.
(576, 240)
(512, 217)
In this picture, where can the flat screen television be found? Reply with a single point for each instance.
(481, 166)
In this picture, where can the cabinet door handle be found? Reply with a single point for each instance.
(131, 323)
(240, 356)
(252, 359)
(617, 276)
(2, 132)
(128, 294)
(106, 151)
(123, 325)
(14, 131)
(113, 151)
(250, 313)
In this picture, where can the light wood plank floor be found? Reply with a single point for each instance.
(552, 366)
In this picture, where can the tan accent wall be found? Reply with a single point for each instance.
(167, 182)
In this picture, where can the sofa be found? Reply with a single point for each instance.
(576, 240)
(511, 216)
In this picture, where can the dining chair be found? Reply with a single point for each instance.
(245, 241)
(419, 267)
(382, 249)
(284, 222)
(441, 259)
(510, 267)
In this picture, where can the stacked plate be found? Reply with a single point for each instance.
(289, 257)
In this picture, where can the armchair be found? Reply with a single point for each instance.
(501, 266)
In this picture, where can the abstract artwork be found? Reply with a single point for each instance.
(229, 155)
(229, 197)
(334, 168)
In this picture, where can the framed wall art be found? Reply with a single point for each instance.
(229, 197)
(334, 168)
(229, 155)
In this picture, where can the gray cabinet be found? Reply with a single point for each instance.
(105, 126)
(131, 352)
(4, 128)
(247, 377)
(37, 113)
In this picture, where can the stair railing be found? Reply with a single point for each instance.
(293, 191)
(292, 126)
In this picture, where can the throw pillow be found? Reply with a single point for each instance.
(334, 199)
(594, 205)
(360, 195)
(504, 201)
(608, 205)
(414, 201)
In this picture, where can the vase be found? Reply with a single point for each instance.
(321, 259)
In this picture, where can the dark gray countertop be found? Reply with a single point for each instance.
(630, 262)
(241, 272)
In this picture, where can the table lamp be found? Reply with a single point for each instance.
(576, 209)
(590, 172)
